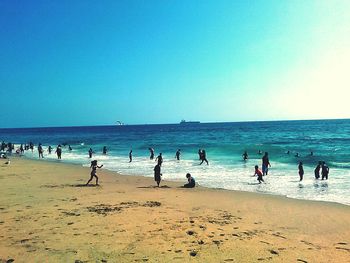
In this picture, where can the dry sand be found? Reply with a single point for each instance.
(48, 216)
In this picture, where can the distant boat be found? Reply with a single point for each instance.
(119, 123)
(189, 122)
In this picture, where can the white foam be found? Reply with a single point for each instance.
(236, 175)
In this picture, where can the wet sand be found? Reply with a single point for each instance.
(48, 215)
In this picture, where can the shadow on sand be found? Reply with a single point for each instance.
(154, 186)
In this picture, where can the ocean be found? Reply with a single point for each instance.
(224, 143)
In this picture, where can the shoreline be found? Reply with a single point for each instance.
(179, 181)
(49, 215)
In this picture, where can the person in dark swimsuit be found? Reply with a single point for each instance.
(59, 152)
(93, 174)
(317, 170)
(130, 156)
(191, 181)
(151, 151)
(104, 150)
(159, 159)
(204, 157)
(301, 170)
(177, 154)
(265, 163)
(157, 174)
(324, 171)
(40, 151)
(245, 156)
(90, 153)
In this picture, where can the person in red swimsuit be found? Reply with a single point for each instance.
(259, 174)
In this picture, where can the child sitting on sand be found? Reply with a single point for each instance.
(259, 174)
(94, 167)
(191, 182)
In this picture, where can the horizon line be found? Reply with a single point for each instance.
(140, 124)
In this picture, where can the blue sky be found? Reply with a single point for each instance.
(95, 62)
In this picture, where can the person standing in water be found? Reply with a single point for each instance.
(90, 153)
(191, 181)
(317, 170)
(21, 149)
(59, 152)
(157, 174)
(204, 157)
(31, 146)
(301, 170)
(324, 171)
(177, 154)
(245, 156)
(104, 150)
(265, 163)
(93, 174)
(259, 174)
(159, 159)
(69, 148)
(40, 151)
(49, 149)
(151, 151)
(130, 156)
(259, 152)
(200, 156)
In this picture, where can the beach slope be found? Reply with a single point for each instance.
(48, 215)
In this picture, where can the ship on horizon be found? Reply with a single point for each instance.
(189, 122)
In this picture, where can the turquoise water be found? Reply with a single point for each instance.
(224, 144)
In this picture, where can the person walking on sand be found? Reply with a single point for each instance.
(151, 151)
(317, 170)
(245, 156)
(259, 174)
(93, 174)
(204, 157)
(265, 163)
(90, 153)
(59, 151)
(301, 170)
(177, 154)
(191, 181)
(130, 156)
(324, 171)
(40, 151)
(157, 174)
(159, 159)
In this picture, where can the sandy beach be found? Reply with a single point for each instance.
(47, 215)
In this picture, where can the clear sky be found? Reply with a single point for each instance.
(66, 63)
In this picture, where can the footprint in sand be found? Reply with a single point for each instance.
(273, 252)
(190, 232)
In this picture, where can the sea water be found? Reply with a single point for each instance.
(224, 143)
